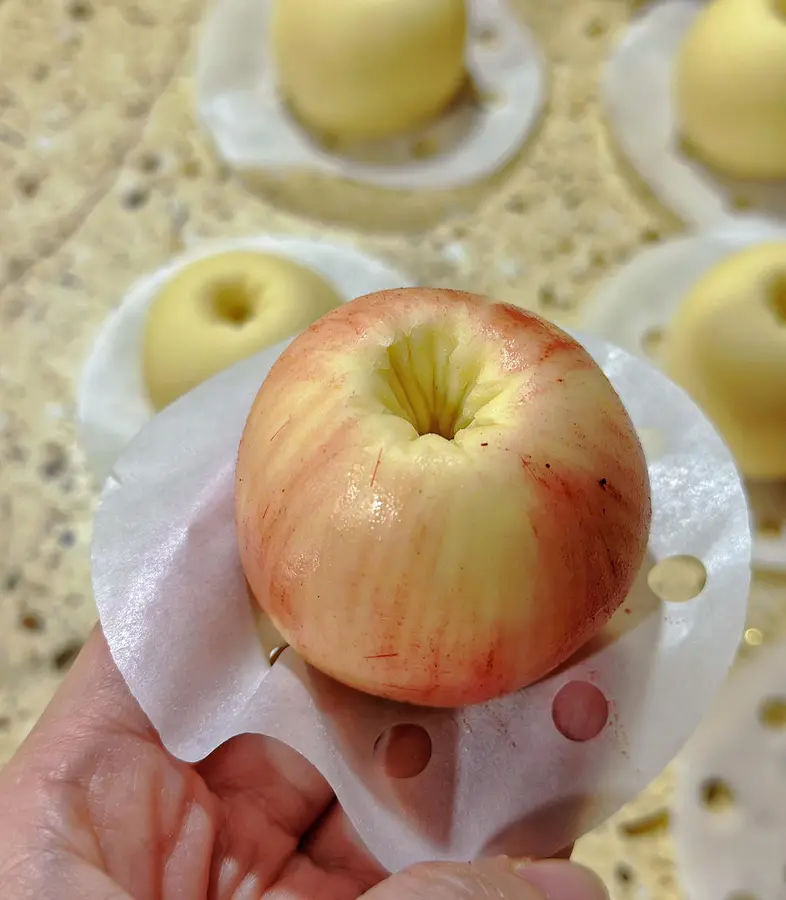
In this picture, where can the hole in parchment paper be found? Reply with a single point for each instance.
(652, 341)
(580, 711)
(677, 579)
(487, 36)
(716, 796)
(754, 637)
(403, 750)
(772, 714)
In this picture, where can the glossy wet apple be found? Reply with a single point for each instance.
(439, 499)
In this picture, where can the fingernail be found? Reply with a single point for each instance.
(561, 880)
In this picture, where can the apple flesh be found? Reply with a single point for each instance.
(439, 499)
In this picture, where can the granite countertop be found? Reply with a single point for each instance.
(105, 174)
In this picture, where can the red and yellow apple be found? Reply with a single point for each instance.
(439, 498)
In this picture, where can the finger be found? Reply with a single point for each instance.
(270, 796)
(270, 776)
(500, 878)
(335, 846)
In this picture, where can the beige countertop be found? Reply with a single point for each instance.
(104, 173)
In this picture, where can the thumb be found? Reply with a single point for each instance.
(500, 878)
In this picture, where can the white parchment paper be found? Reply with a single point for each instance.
(737, 851)
(174, 607)
(112, 401)
(238, 102)
(639, 99)
(639, 301)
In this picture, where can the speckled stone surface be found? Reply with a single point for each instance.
(104, 173)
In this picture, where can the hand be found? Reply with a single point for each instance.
(94, 808)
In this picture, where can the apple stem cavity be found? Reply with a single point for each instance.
(232, 302)
(427, 382)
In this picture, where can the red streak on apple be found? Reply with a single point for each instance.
(457, 503)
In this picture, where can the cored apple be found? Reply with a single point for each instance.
(223, 308)
(439, 498)
(365, 70)
(730, 87)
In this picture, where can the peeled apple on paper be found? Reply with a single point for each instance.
(731, 87)
(727, 348)
(369, 69)
(221, 309)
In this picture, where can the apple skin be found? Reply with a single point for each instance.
(426, 570)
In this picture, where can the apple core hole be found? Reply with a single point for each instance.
(426, 383)
(677, 579)
(580, 711)
(403, 750)
(776, 289)
(716, 796)
(487, 36)
(772, 714)
(231, 301)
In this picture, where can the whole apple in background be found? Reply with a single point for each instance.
(224, 308)
(365, 69)
(439, 499)
(727, 347)
(731, 87)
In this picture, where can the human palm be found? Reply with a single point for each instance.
(118, 818)
(93, 807)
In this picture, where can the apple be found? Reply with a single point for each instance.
(439, 498)
(730, 87)
(727, 347)
(223, 308)
(365, 70)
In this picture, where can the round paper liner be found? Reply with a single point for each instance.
(238, 103)
(639, 302)
(174, 606)
(730, 799)
(112, 400)
(640, 105)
